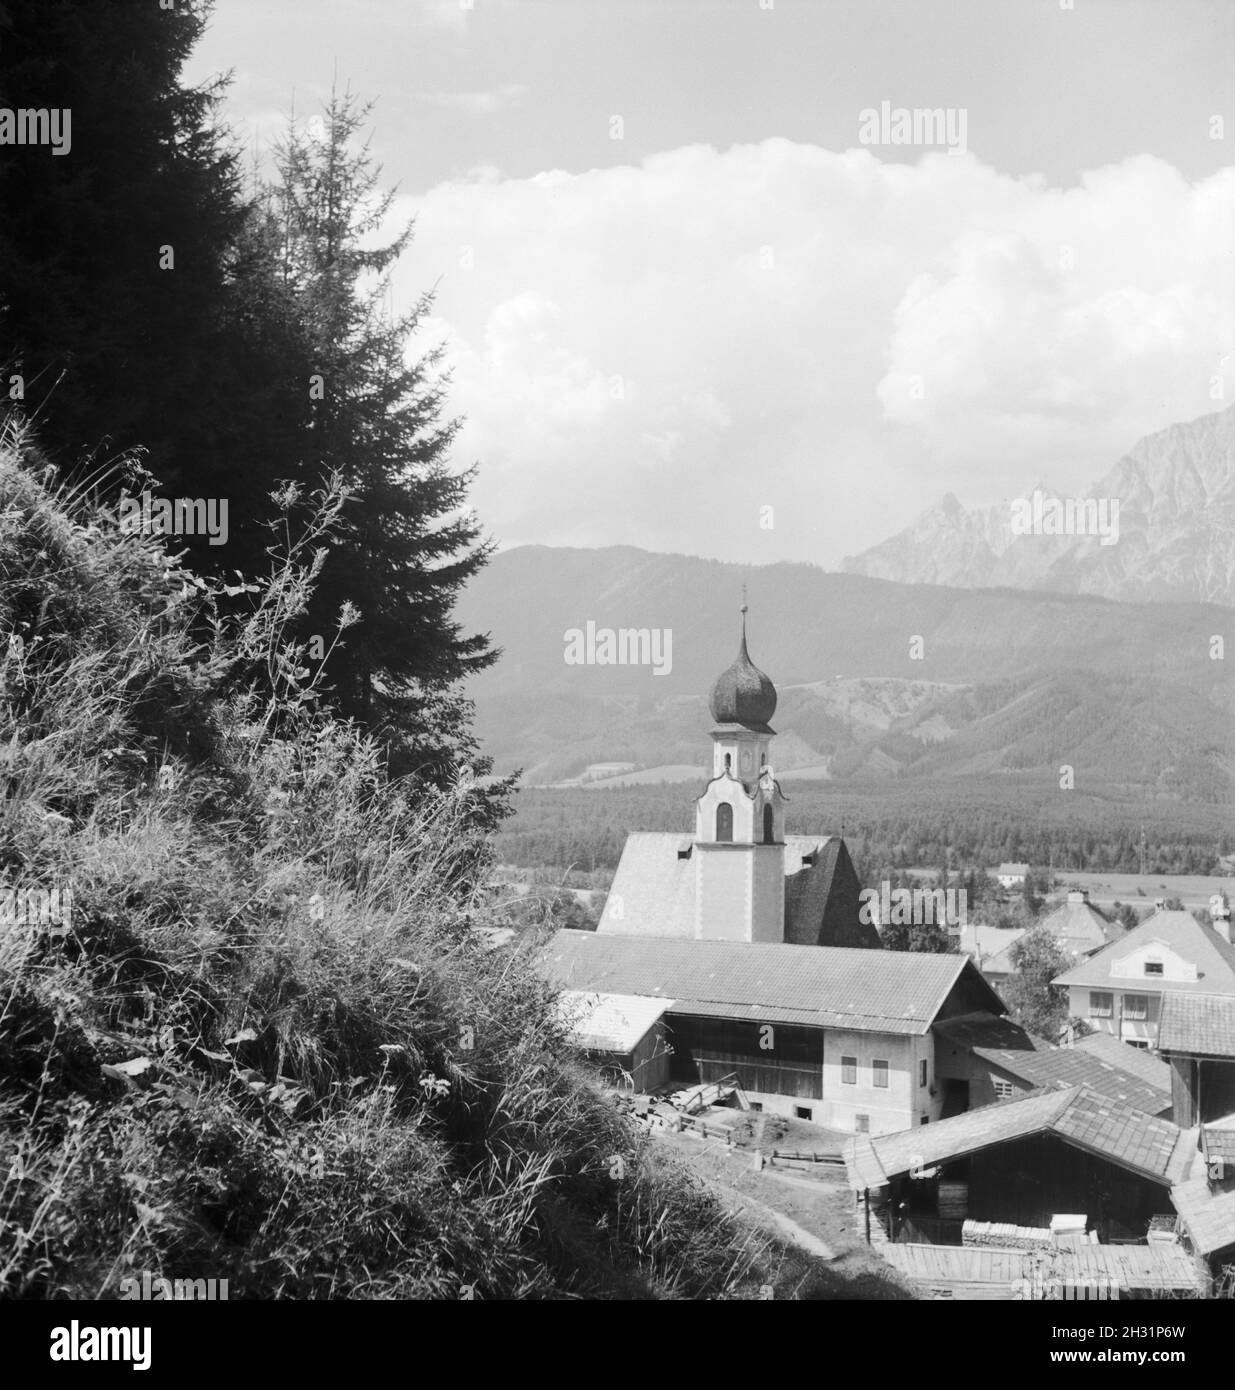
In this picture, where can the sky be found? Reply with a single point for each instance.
(695, 300)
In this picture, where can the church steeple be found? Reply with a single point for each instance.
(742, 694)
(741, 810)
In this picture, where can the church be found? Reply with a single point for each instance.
(753, 942)
(739, 877)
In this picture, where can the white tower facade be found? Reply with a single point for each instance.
(739, 848)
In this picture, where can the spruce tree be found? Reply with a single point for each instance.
(378, 418)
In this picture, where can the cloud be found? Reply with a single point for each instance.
(653, 353)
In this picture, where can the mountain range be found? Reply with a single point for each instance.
(958, 648)
(875, 679)
(1176, 530)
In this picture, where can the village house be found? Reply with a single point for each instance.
(1078, 927)
(1120, 988)
(990, 949)
(838, 1036)
(1011, 875)
(754, 944)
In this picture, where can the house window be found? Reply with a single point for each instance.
(728, 762)
(1004, 1090)
(1136, 1006)
(724, 821)
(1153, 967)
(849, 1071)
(862, 1123)
(769, 837)
(1137, 1042)
(925, 1119)
(803, 1112)
(922, 1072)
(880, 1069)
(756, 1105)
(1101, 1004)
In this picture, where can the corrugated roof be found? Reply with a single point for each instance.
(1197, 1024)
(1068, 1066)
(1213, 957)
(609, 1022)
(826, 986)
(1154, 1148)
(653, 890)
(1137, 1060)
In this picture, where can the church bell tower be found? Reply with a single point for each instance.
(739, 847)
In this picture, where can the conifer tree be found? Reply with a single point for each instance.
(378, 417)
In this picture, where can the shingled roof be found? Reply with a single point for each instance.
(1200, 1025)
(823, 986)
(1062, 1067)
(1151, 1147)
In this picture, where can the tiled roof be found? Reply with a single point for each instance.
(1137, 1060)
(826, 986)
(1061, 1067)
(1197, 1024)
(1148, 1145)
(1201, 945)
(653, 889)
(1006, 868)
(1152, 1147)
(609, 1022)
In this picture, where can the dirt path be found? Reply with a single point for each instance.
(816, 1215)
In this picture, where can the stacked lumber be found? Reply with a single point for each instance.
(1004, 1235)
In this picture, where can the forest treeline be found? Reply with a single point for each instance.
(962, 825)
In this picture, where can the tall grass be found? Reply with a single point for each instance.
(273, 1043)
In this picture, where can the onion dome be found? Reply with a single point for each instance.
(743, 694)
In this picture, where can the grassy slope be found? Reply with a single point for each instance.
(268, 1045)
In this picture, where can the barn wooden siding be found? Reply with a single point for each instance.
(705, 1049)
